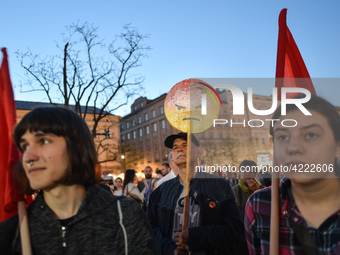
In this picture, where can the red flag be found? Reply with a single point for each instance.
(289, 62)
(9, 155)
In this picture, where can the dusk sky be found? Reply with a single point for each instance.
(189, 39)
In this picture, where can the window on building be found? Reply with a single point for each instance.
(122, 137)
(163, 124)
(140, 132)
(157, 156)
(147, 130)
(128, 136)
(154, 127)
(146, 117)
(107, 133)
(141, 105)
(162, 109)
(139, 120)
(127, 125)
(134, 134)
(149, 156)
(153, 114)
(133, 123)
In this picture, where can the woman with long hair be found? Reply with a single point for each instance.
(130, 189)
(71, 214)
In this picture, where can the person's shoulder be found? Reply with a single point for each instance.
(170, 182)
(100, 196)
(165, 187)
(166, 178)
(8, 229)
(7, 225)
(128, 206)
(236, 188)
(217, 180)
(261, 197)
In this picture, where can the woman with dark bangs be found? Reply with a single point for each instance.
(71, 213)
(309, 200)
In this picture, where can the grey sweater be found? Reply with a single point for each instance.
(104, 224)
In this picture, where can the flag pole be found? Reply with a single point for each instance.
(274, 215)
(24, 229)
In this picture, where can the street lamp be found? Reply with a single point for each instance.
(123, 162)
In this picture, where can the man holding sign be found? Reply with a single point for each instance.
(214, 224)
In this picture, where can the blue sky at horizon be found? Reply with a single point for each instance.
(189, 39)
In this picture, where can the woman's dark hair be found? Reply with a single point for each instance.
(128, 177)
(319, 105)
(66, 123)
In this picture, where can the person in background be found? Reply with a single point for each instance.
(118, 186)
(159, 173)
(309, 200)
(247, 184)
(214, 221)
(165, 169)
(130, 189)
(71, 213)
(172, 174)
(141, 185)
(154, 183)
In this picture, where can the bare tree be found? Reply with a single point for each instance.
(88, 72)
(232, 148)
(130, 155)
(94, 77)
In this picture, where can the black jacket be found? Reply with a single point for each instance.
(96, 229)
(221, 230)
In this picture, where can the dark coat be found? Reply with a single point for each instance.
(221, 230)
(96, 228)
(241, 199)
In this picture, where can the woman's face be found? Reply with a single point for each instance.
(45, 159)
(306, 148)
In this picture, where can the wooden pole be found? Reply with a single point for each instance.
(187, 183)
(274, 215)
(24, 229)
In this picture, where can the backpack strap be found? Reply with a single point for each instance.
(305, 238)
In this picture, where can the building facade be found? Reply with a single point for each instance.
(228, 143)
(143, 132)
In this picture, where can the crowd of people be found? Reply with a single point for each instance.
(72, 214)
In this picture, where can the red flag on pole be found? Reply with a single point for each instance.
(9, 155)
(291, 71)
(289, 62)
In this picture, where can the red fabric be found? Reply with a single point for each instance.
(289, 62)
(9, 155)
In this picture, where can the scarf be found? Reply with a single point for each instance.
(244, 187)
